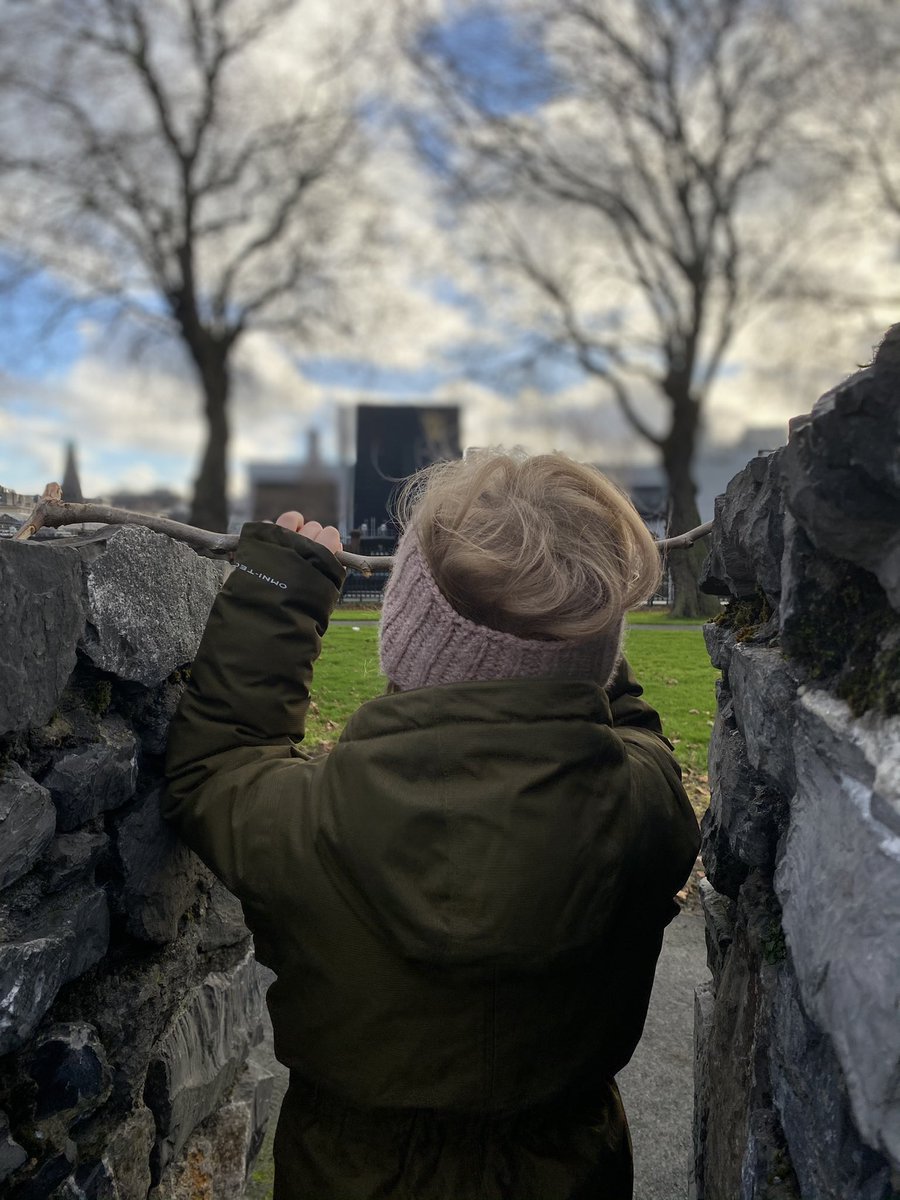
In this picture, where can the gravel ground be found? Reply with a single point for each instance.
(657, 1085)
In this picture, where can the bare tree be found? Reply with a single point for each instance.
(639, 164)
(186, 163)
(858, 42)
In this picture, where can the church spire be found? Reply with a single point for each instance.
(71, 485)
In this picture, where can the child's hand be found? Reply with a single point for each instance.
(327, 537)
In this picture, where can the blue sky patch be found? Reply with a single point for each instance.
(40, 333)
(504, 69)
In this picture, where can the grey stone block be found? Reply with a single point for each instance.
(723, 868)
(68, 1067)
(838, 884)
(127, 1155)
(808, 576)
(704, 1005)
(68, 938)
(135, 604)
(40, 1181)
(719, 914)
(12, 1155)
(200, 1055)
(751, 812)
(27, 822)
(837, 624)
(147, 599)
(161, 876)
(71, 858)
(766, 1169)
(841, 477)
(728, 1068)
(739, 1144)
(85, 783)
(152, 709)
(764, 687)
(720, 643)
(43, 616)
(220, 1152)
(90, 1180)
(826, 1153)
(223, 921)
(746, 815)
(132, 999)
(745, 546)
(255, 1092)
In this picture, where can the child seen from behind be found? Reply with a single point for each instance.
(463, 901)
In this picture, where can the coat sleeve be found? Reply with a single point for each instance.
(236, 777)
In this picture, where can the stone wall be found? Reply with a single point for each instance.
(797, 1037)
(130, 1007)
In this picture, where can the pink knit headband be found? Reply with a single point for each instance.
(424, 640)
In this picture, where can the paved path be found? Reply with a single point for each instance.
(657, 1085)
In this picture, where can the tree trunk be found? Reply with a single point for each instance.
(684, 565)
(209, 508)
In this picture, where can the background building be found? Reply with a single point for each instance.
(393, 441)
(311, 487)
(14, 508)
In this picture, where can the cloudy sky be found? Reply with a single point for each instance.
(137, 422)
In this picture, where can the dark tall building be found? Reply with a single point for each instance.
(311, 487)
(71, 484)
(392, 442)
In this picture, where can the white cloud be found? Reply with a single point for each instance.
(30, 452)
(141, 425)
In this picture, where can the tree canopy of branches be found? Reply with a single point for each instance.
(858, 42)
(630, 166)
(185, 162)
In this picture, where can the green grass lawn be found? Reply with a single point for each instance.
(680, 682)
(660, 616)
(346, 675)
(672, 665)
(643, 616)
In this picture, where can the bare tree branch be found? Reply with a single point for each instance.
(302, 182)
(166, 176)
(666, 122)
(52, 512)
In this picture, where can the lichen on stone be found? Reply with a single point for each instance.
(849, 638)
(99, 698)
(781, 1182)
(745, 615)
(773, 944)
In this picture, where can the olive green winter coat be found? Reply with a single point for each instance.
(463, 902)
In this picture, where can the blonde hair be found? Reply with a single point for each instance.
(540, 546)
